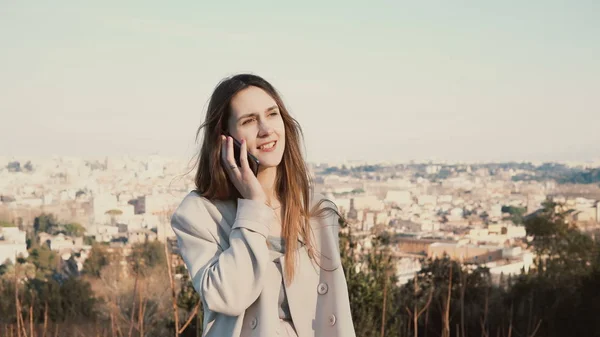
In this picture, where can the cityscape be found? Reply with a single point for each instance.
(458, 141)
(470, 213)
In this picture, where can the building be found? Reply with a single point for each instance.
(61, 242)
(465, 253)
(412, 245)
(141, 236)
(586, 214)
(370, 202)
(165, 231)
(427, 200)
(400, 198)
(12, 244)
(10, 251)
(407, 268)
(13, 234)
(514, 263)
(102, 203)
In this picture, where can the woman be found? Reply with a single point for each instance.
(262, 250)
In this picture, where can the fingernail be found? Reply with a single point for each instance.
(243, 140)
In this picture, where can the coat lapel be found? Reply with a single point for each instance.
(301, 293)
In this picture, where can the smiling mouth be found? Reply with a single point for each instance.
(267, 146)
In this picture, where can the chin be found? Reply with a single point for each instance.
(269, 163)
(270, 159)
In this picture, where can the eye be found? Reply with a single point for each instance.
(274, 113)
(247, 121)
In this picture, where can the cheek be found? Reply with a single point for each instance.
(283, 143)
(248, 135)
(281, 134)
(280, 129)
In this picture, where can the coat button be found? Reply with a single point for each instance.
(253, 323)
(332, 319)
(322, 288)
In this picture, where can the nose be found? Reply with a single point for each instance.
(265, 129)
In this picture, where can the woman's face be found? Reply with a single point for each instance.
(256, 118)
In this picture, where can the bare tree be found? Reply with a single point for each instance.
(484, 329)
(446, 317)
(173, 290)
(31, 315)
(178, 329)
(21, 329)
(416, 312)
(45, 318)
(463, 288)
(132, 320)
(385, 281)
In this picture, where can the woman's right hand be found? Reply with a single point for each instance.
(242, 177)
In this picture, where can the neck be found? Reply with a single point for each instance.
(267, 177)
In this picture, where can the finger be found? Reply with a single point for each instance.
(229, 152)
(231, 159)
(244, 156)
(224, 153)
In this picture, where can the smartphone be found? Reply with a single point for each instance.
(252, 160)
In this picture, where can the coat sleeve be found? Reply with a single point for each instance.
(230, 280)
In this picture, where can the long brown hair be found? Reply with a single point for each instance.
(293, 183)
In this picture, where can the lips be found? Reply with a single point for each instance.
(268, 146)
(266, 143)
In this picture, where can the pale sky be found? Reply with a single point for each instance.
(377, 80)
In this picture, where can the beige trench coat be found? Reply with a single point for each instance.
(223, 246)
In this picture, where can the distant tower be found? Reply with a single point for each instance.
(352, 214)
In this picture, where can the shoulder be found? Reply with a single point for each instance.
(195, 208)
(323, 209)
(324, 214)
(192, 203)
(319, 201)
(325, 228)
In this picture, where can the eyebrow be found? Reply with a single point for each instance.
(254, 114)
